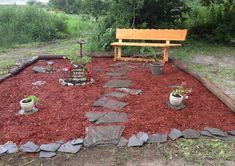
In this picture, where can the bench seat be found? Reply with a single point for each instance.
(144, 44)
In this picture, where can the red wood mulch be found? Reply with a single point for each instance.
(62, 109)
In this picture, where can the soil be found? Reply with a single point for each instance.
(62, 109)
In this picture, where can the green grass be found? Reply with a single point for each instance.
(205, 149)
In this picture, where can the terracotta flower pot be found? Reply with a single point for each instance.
(176, 100)
(27, 106)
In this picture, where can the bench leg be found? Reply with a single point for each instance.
(115, 54)
(166, 54)
(119, 53)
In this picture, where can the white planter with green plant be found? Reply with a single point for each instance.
(27, 104)
(178, 95)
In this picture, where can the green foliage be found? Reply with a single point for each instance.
(35, 99)
(181, 90)
(27, 24)
(73, 55)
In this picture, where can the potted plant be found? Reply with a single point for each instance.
(178, 95)
(156, 66)
(27, 104)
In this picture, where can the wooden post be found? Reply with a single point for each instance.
(115, 54)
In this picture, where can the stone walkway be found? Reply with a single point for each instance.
(119, 83)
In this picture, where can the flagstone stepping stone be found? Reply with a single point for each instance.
(191, 134)
(78, 141)
(130, 91)
(106, 117)
(38, 83)
(135, 142)
(44, 154)
(109, 103)
(2, 149)
(50, 62)
(116, 94)
(206, 133)
(39, 69)
(30, 147)
(11, 148)
(22, 112)
(174, 134)
(216, 132)
(103, 135)
(227, 139)
(143, 136)
(122, 142)
(115, 74)
(179, 107)
(231, 132)
(118, 84)
(157, 138)
(68, 147)
(52, 147)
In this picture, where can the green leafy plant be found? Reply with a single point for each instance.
(75, 58)
(35, 99)
(181, 90)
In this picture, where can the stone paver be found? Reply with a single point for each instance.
(232, 132)
(206, 133)
(78, 141)
(110, 103)
(2, 149)
(157, 138)
(103, 135)
(191, 134)
(106, 117)
(216, 132)
(39, 69)
(44, 154)
(135, 142)
(131, 91)
(30, 147)
(118, 84)
(115, 74)
(116, 94)
(52, 147)
(143, 136)
(179, 107)
(68, 147)
(11, 148)
(174, 134)
(122, 142)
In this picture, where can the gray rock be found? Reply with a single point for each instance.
(206, 133)
(103, 135)
(115, 74)
(174, 134)
(109, 103)
(191, 134)
(231, 132)
(216, 132)
(122, 142)
(38, 83)
(69, 148)
(22, 112)
(30, 147)
(106, 117)
(77, 141)
(50, 62)
(157, 138)
(44, 154)
(116, 94)
(179, 107)
(39, 69)
(118, 84)
(52, 147)
(131, 91)
(11, 148)
(135, 142)
(2, 149)
(227, 139)
(143, 136)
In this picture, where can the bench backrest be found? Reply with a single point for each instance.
(152, 34)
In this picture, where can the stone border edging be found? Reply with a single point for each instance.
(228, 101)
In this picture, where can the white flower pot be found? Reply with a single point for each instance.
(27, 107)
(176, 100)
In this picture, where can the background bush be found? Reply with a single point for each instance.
(27, 24)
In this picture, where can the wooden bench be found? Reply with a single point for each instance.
(166, 35)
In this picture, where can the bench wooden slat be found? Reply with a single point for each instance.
(144, 44)
(152, 34)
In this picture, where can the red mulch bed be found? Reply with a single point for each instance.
(62, 109)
